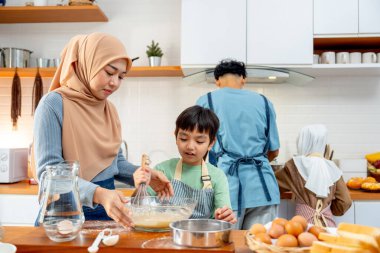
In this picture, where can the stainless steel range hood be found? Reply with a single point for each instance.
(255, 74)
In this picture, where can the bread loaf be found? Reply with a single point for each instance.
(367, 234)
(350, 241)
(325, 247)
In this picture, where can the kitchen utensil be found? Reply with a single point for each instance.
(38, 91)
(15, 57)
(61, 212)
(53, 63)
(95, 245)
(110, 240)
(156, 214)
(316, 59)
(201, 233)
(355, 57)
(16, 100)
(42, 62)
(326, 155)
(369, 57)
(134, 59)
(331, 155)
(328, 58)
(343, 58)
(141, 190)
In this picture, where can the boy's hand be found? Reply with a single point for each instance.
(225, 214)
(161, 184)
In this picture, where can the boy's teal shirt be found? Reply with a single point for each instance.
(191, 175)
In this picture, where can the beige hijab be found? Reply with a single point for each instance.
(91, 132)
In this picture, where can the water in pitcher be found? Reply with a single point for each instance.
(61, 212)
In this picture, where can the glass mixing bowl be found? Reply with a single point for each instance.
(153, 214)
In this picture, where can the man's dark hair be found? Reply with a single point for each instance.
(200, 118)
(228, 66)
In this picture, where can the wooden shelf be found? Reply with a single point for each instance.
(164, 71)
(49, 14)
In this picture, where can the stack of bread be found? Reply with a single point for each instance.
(350, 238)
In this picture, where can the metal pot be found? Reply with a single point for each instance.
(201, 233)
(15, 57)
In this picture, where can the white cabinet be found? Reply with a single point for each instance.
(18, 210)
(213, 30)
(367, 212)
(348, 217)
(369, 17)
(336, 17)
(279, 32)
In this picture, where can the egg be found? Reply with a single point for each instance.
(306, 239)
(280, 221)
(257, 228)
(263, 237)
(276, 231)
(293, 228)
(300, 219)
(287, 241)
(316, 230)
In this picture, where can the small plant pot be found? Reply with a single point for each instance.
(154, 61)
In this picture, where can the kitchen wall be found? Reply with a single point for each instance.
(148, 107)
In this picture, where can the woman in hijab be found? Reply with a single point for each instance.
(76, 121)
(316, 182)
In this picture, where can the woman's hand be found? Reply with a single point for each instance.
(142, 175)
(225, 214)
(161, 184)
(114, 203)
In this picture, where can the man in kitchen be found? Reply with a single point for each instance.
(247, 141)
(75, 121)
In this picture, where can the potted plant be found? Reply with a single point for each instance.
(154, 53)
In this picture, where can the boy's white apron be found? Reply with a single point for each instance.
(204, 196)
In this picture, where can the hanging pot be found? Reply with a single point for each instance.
(15, 57)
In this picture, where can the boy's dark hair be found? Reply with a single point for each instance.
(228, 66)
(200, 118)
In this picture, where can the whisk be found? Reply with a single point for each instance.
(142, 193)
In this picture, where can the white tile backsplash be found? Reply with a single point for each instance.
(148, 107)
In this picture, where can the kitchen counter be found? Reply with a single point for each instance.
(24, 188)
(34, 239)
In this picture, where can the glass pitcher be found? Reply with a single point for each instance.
(61, 211)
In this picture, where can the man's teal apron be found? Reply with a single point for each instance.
(238, 159)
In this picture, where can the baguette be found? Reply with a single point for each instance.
(367, 234)
(349, 240)
(325, 247)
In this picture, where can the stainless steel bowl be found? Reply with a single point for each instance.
(201, 233)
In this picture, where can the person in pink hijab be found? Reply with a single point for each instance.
(75, 121)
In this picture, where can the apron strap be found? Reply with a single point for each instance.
(205, 177)
(318, 213)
